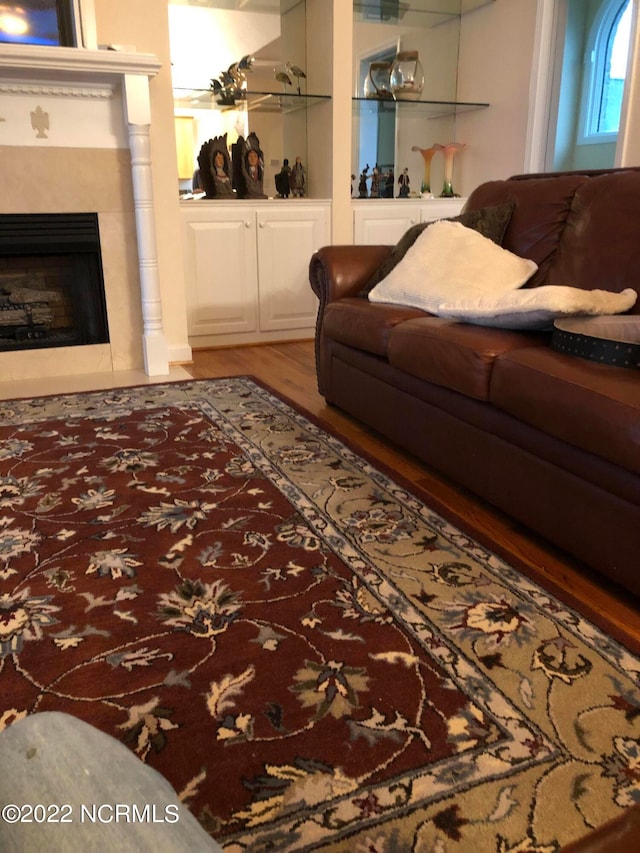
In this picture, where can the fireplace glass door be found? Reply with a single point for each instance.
(51, 281)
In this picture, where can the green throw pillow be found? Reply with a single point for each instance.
(491, 222)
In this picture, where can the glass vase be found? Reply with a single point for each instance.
(450, 152)
(427, 156)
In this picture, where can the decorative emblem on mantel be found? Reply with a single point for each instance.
(40, 122)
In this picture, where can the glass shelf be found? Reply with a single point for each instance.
(426, 109)
(413, 13)
(265, 102)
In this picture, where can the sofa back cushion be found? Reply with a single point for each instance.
(600, 245)
(541, 210)
(581, 229)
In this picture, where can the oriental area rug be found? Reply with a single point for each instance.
(312, 657)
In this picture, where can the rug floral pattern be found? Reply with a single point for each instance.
(310, 655)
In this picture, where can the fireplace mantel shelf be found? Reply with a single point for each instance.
(19, 61)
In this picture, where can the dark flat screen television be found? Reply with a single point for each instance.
(46, 22)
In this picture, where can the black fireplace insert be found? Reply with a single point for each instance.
(51, 281)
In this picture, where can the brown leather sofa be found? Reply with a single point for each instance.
(620, 835)
(551, 439)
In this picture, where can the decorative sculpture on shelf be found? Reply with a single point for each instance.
(403, 184)
(375, 183)
(298, 179)
(230, 86)
(248, 167)
(283, 180)
(386, 187)
(282, 77)
(363, 191)
(297, 72)
(427, 156)
(215, 168)
(450, 151)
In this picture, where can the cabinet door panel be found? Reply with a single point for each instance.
(221, 274)
(383, 224)
(441, 208)
(286, 241)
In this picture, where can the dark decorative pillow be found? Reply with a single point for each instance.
(491, 222)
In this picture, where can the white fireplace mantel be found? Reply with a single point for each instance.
(24, 61)
(75, 76)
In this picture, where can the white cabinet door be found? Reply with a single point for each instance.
(221, 264)
(247, 270)
(287, 238)
(382, 222)
(441, 208)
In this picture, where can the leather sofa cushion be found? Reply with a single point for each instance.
(542, 207)
(593, 406)
(364, 325)
(600, 245)
(451, 354)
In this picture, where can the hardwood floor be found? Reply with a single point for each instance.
(289, 368)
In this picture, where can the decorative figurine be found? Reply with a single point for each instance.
(297, 72)
(298, 179)
(387, 184)
(215, 168)
(231, 84)
(403, 184)
(282, 77)
(283, 180)
(375, 182)
(363, 192)
(248, 167)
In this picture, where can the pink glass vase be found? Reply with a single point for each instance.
(450, 152)
(427, 156)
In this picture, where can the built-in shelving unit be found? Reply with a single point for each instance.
(390, 133)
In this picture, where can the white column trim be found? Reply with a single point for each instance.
(138, 117)
(540, 87)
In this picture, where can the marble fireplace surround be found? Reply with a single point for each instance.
(74, 137)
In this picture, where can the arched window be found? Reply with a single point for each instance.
(606, 66)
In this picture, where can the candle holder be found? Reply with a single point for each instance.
(407, 76)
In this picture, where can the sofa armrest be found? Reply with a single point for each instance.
(620, 835)
(336, 272)
(339, 271)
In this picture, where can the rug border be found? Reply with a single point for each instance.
(518, 562)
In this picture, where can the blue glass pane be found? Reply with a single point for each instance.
(615, 71)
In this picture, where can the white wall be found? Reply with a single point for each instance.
(496, 54)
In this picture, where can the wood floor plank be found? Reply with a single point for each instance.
(289, 368)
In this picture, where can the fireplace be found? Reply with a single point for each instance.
(51, 282)
(75, 136)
